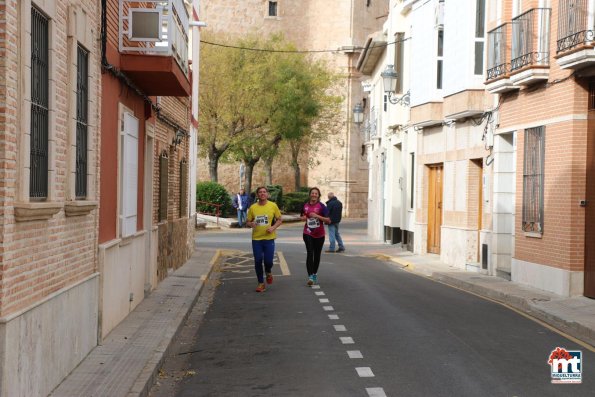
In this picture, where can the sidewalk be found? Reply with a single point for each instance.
(127, 361)
(574, 316)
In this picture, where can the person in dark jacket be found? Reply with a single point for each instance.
(335, 210)
(240, 203)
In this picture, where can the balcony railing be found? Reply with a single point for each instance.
(530, 39)
(155, 27)
(575, 27)
(498, 65)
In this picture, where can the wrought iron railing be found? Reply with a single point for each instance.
(39, 145)
(575, 27)
(161, 28)
(530, 39)
(498, 64)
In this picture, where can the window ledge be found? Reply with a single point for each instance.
(533, 234)
(78, 208)
(36, 211)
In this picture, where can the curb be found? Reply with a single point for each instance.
(148, 376)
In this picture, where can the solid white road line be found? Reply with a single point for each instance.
(364, 372)
(340, 328)
(328, 308)
(323, 300)
(283, 264)
(347, 340)
(355, 354)
(333, 316)
(375, 392)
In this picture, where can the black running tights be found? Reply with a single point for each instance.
(313, 248)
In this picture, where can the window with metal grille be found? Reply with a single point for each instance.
(533, 168)
(163, 185)
(399, 60)
(183, 190)
(479, 35)
(82, 121)
(272, 8)
(439, 54)
(38, 179)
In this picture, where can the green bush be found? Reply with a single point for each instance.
(294, 202)
(208, 193)
(276, 194)
(304, 189)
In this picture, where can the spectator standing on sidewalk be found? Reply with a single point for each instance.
(264, 218)
(315, 214)
(335, 210)
(240, 203)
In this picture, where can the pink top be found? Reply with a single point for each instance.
(314, 226)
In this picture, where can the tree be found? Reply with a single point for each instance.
(229, 86)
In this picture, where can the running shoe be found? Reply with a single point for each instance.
(310, 280)
(341, 250)
(269, 278)
(261, 288)
(315, 278)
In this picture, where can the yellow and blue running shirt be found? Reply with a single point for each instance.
(263, 216)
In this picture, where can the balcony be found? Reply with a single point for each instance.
(153, 44)
(499, 51)
(575, 47)
(530, 61)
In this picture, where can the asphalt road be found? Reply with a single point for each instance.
(371, 329)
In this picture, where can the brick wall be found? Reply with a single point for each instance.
(41, 257)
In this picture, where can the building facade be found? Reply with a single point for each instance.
(540, 64)
(390, 141)
(144, 219)
(338, 26)
(50, 100)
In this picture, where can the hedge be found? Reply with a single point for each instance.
(212, 192)
(294, 202)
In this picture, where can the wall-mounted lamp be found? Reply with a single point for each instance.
(178, 137)
(389, 80)
(358, 114)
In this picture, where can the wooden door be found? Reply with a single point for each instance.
(434, 208)
(590, 200)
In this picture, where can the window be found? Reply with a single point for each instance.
(479, 35)
(385, 102)
(82, 120)
(440, 53)
(183, 190)
(129, 175)
(399, 60)
(533, 179)
(39, 142)
(272, 8)
(412, 182)
(163, 185)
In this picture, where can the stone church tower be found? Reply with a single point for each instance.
(341, 25)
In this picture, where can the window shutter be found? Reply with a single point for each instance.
(129, 175)
(183, 190)
(163, 185)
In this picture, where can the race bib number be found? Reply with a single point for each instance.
(262, 220)
(313, 223)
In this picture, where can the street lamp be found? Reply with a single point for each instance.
(389, 81)
(358, 114)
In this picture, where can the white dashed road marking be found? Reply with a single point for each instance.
(333, 316)
(375, 392)
(355, 354)
(347, 340)
(315, 287)
(328, 308)
(364, 372)
(340, 328)
(323, 300)
(319, 293)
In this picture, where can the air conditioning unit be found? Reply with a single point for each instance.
(439, 14)
(145, 24)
